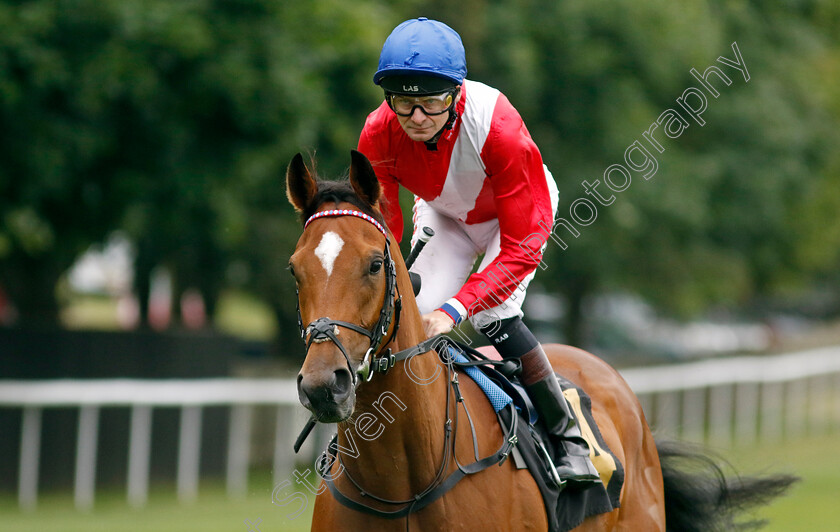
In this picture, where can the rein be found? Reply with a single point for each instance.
(439, 486)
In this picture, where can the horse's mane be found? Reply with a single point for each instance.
(339, 192)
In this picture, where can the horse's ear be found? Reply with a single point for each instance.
(300, 186)
(363, 179)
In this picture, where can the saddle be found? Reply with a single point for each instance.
(525, 440)
(565, 508)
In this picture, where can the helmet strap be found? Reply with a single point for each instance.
(431, 144)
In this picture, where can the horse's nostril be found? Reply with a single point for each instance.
(336, 388)
(303, 396)
(343, 382)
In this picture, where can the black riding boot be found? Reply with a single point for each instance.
(513, 339)
(553, 409)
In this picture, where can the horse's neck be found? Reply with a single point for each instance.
(394, 443)
(396, 435)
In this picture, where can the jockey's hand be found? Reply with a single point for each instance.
(437, 322)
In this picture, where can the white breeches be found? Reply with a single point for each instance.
(449, 258)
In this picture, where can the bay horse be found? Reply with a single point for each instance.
(398, 438)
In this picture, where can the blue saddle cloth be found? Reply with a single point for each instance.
(497, 397)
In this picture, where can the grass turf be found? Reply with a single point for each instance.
(811, 505)
(212, 512)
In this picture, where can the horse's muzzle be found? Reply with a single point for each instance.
(330, 398)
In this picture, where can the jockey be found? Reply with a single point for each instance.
(479, 181)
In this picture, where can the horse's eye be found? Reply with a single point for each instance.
(375, 266)
(291, 270)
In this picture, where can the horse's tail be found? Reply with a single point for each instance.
(699, 497)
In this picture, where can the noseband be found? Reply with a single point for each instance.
(324, 329)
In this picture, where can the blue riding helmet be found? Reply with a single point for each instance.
(423, 49)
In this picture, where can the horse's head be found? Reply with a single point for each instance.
(345, 281)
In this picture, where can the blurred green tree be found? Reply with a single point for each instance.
(174, 121)
(720, 222)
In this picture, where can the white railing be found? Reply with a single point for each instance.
(142, 396)
(742, 399)
(734, 400)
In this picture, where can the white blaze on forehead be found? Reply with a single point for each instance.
(328, 250)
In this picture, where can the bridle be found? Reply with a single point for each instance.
(324, 328)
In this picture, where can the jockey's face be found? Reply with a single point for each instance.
(421, 127)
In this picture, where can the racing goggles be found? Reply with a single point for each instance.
(430, 104)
